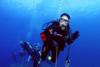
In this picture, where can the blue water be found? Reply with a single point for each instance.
(21, 20)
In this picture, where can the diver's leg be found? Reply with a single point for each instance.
(55, 53)
(60, 42)
(61, 45)
(45, 51)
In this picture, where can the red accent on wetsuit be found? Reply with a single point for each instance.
(43, 37)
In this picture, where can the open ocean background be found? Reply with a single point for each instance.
(21, 20)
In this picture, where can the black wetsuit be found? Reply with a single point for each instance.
(52, 39)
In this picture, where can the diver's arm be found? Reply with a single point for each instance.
(75, 35)
(72, 37)
(68, 36)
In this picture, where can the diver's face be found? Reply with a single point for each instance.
(64, 21)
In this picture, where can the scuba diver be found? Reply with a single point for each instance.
(55, 35)
(33, 52)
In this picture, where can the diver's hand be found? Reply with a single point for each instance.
(75, 35)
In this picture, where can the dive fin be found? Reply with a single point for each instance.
(67, 63)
